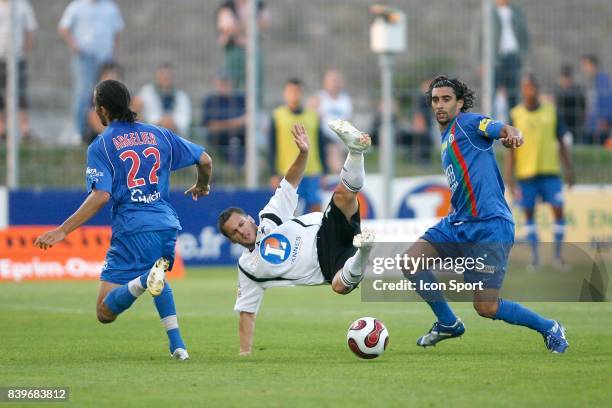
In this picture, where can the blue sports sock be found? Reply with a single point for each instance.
(559, 235)
(167, 313)
(119, 299)
(515, 313)
(434, 298)
(532, 238)
(143, 279)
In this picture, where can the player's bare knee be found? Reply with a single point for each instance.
(104, 319)
(340, 288)
(486, 309)
(104, 316)
(343, 197)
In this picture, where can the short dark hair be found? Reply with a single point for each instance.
(115, 98)
(225, 215)
(294, 81)
(460, 89)
(111, 66)
(532, 79)
(592, 58)
(567, 71)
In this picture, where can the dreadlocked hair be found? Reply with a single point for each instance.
(460, 89)
(115, 97)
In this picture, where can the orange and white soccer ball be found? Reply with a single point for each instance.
(367, 337)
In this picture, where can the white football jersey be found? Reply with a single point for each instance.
(285, 252)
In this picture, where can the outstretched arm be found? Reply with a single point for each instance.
(509, 174)
(202, 186)
(510, 137)
(90, 207)
(296, 171)
(246, 329)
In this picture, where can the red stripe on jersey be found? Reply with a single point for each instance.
(466, 177)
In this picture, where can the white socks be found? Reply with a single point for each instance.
(170, 322)
(135, 287)
(354, 267)
(353, 172)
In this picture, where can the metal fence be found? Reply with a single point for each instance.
(304, 40)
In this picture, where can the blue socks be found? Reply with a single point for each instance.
(164, 303)
(559, 230)
(508, 311)
(434, 298)
(119, 299)
(532, 238)
(515, 313)
(122, 297)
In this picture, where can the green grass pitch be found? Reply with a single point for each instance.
(50, 337)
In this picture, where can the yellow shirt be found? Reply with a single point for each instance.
(286, 150)
(539, 155)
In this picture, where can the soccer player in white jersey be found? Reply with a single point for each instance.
(314, 249)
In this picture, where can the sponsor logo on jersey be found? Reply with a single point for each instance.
(93, 175)
(137, 196)
(275, 249)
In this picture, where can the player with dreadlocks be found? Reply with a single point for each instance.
(480, 225)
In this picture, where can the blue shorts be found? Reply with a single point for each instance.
(309, 191)
(548, 188)
(130, 256)
(489, 241)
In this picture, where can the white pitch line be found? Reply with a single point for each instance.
(266, 312)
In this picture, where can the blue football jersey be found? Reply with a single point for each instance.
(470, 167)
(132, 162)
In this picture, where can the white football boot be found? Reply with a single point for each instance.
(157, 276)
(180, 354)
(365, 239)
(354, 139)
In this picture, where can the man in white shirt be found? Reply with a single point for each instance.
(332, 102)
(26, 25)
(314, 249)
(162, 103)
(90, 28)
(512, 43)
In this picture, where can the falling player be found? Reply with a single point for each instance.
(130, 164)
(313, 249)
(481, 222)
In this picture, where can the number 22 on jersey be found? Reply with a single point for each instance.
(133, 156)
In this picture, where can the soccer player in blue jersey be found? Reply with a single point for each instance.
(130, 164)
(481, 223)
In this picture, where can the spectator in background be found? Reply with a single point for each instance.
(109, 70)
(91, 30)
(224, 118)
(598, 101)
(283, 149)
(412, 140)
(26, 25)
(376, 125)
(332, 102)
(570, 102)
(422, 124)
(511, 43)
(161, 103)
(232, 17)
